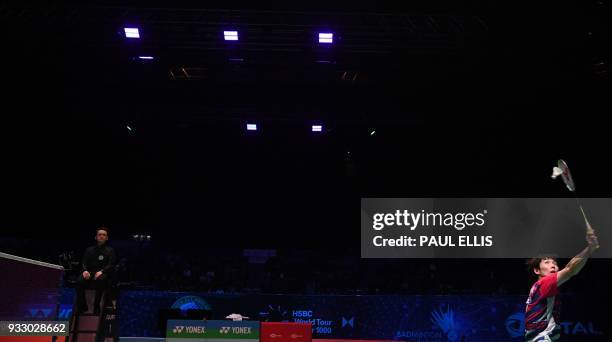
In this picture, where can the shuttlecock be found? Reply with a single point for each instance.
(236, 317)
(556, 172)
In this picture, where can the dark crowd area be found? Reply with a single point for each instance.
(155, 266)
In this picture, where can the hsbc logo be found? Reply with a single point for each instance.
(294, 336)
(302, 313)
(273, 335)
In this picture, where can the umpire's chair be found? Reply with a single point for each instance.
(91, 327)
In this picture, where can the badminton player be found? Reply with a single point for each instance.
(542, 312)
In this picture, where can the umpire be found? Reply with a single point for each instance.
(98, 265)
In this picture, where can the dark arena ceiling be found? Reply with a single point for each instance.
(464, 99)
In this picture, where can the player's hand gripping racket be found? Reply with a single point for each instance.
(563, 170)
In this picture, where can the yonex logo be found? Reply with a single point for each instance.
(178, 329)
(224, 330)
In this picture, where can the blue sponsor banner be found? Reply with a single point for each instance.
(405, 318)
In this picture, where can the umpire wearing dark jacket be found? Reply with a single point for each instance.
(98, 264)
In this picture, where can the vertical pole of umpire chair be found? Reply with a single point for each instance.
(58, 301)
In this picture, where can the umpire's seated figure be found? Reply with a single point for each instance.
(98, 264)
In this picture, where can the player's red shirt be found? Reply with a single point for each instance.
(542, 312)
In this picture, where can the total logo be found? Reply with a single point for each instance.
(515, 326)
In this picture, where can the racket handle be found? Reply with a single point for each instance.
(589, 229)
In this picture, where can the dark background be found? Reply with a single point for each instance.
(466, 98)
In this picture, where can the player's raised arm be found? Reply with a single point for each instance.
(577, 263)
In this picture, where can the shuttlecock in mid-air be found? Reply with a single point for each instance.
(236, 317)
(556, 172)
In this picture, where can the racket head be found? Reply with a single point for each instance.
(566, 175)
